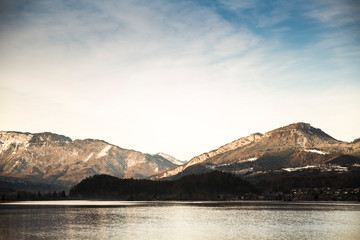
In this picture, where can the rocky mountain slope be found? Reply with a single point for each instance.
(56, 159)
(170, 158)
(291, 147)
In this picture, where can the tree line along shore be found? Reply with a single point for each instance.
(213, 185)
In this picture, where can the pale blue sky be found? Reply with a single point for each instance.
(181, 77)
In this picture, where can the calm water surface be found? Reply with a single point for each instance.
(179, 220)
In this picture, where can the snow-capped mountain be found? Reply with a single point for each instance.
(56, 159)
(170, 158)
(293, 146)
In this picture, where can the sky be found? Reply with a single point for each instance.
(179, 77)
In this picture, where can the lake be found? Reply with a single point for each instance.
(179, 220)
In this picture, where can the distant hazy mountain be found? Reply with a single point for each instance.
(56, 159)
(288, 148)
(170, 158)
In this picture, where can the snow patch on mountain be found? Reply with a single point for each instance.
(301, 141)
(248, 160)
(88, 157)
(315, 151)
(131, 162)
(170, 158)
(251, 159)
(8, 139)
(298, 168)
(15, 164)
(104, 151)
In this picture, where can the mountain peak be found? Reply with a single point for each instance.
(297, 144)
(170, 158)
(300, 126)
(301, 129)
(303, 126)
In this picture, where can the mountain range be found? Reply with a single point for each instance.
(55, 159)
(47, 158)
(294, 147)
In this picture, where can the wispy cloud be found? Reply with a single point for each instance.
(132, 70)
(239, 5)
(335, 13)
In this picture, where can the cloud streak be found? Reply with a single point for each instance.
(336, 13)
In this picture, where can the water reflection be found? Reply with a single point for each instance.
(179, 220)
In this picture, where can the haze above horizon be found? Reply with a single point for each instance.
(179, 77)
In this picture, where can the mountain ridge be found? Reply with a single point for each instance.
(53, 158)
(57, 159)
(170, 158)
(294, 145)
